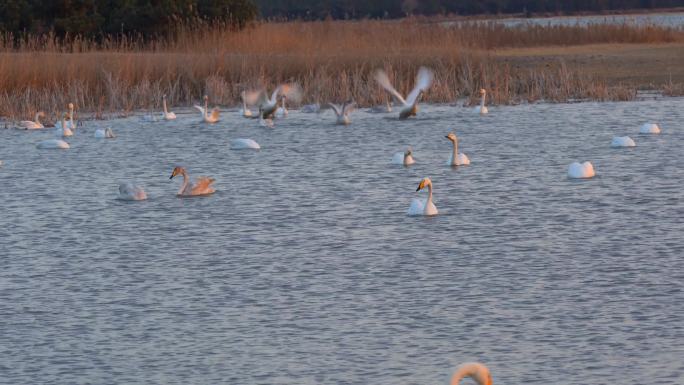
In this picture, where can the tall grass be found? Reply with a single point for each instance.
(330, 60)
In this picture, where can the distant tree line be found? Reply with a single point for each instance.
(355, 9)
(107, 17)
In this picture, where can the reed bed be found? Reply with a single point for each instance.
(330, 60)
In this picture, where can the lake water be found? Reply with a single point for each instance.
(673, 20)
(303, 268)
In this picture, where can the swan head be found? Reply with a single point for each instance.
(408, 153)
(177, 171)
(206, 98)
(482, 91)
(452, 137)
(424, 183)
(71, 106)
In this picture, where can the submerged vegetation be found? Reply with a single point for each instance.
(331, 61)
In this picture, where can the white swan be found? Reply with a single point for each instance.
(33, 125)
(206, 117)
(244, 144)
(130, 192)
(281, 112)
(166, 115)
(482, 109)
(403, 158)
(64, 131)
(72, 124)
(311, 108)
(456, 158)
(475, 370)
(422, 206)
(649, 128)
(104, 133)
(381, 109)
(268, 107)
(622, 141)
(53, 144)
(409, 106)
(578, 170)
(342, 112)
(201, 186)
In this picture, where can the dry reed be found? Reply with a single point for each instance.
(331, 60)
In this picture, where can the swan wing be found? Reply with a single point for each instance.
(202, 185)
(348, 107)
(423, 82)
(383, 80)
(335, 107)
(200, 108)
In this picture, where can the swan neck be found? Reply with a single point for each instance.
(482, 100)
(455, 158)
(166, 111)
(206, 108)
(185, 182)
(429, 200)
(37, 119)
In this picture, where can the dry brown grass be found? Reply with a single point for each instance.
(330, 60)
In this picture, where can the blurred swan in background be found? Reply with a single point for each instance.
(649, 128)
(201, 185)
(475, 370)
(206, 117)
(244, 144)
(403, 158)
(281, 112)
(622, 141)
(482, 109)
(456, 158)
(53, 144)
(578, 170)
(342, 112)
(166, 114)
(64, 130)
(423, 206)
(104, 133)
(72, 124)
(130, 192)
(33, 125)
(409, 106)
(268, 107)
(381, 109)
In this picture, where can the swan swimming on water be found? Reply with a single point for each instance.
(409, 106)
(342, 112)
(130, 192)
(244, 144)
(206, 117)
(64, 130)
(578, 170)
(475, 370)
(166, 114)
(201, 185)
(281, 112)
(72, 124)
(33, 125)
(649, 128)
(104, 133)
(456, 158)
(423, 206)
(622, 141)
(482, 109)
(403, 158)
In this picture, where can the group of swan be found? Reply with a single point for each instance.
(60, 132)
(585, 170)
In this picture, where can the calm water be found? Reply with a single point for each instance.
(304, 269)
(673, 20)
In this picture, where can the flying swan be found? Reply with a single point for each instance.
(408, 106)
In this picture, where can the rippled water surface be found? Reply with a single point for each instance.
(304, 269)
(672, 20)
